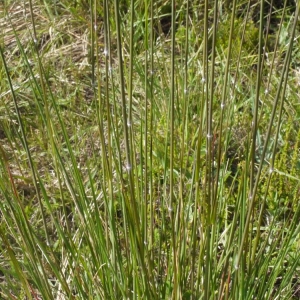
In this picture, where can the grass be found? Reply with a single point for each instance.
(149, 150)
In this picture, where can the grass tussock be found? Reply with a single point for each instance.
(149, 150)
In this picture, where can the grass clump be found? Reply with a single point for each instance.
(149, 151)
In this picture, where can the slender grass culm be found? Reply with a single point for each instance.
(149, 149)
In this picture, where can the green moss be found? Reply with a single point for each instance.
(244, 39)
(283, 183)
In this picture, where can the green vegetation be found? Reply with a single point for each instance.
(149, 150)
